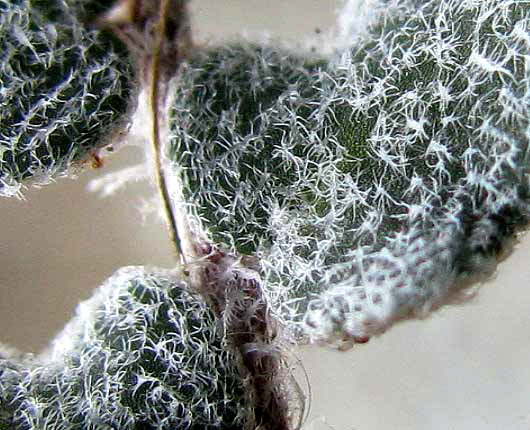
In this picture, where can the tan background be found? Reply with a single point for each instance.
(466, 367)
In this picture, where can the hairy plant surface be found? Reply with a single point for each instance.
(63, 89)
(142, 353)
(376, 179)
(316, 197)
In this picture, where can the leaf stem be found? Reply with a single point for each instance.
(155, 133)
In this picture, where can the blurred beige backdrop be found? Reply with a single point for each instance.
(466, 367)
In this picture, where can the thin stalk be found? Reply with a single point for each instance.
(155, 134)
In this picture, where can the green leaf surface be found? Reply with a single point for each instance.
(64, 89)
